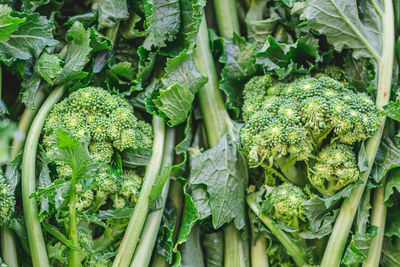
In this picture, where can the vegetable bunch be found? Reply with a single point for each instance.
(185, 133)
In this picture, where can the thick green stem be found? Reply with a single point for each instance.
(259, 257)
(148, 238)
(217, 122)
(293, 249)
(136, 222)
(378, 219)
(227, 17)
(338, 238)
(74, 254)
(28, 180)
(258, 249)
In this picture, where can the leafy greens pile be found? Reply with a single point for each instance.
(185, 133)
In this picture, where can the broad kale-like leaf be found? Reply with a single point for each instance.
(392, 227)
(76, 155)
(110, 12)
(78, 49)
(390, 254)
(163, 22)
(181, 80)
(239, 59)
(345, 26)
(48, 67)
(223, 170)
(29, 40)
(8, 23)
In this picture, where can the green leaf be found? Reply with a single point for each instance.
(390, 254)
(259, 24)
(52, 230)
(29, 40)
(182, 70)
(191, 253)
(357, 250)
(189, 218)
(8, 23)
(213, 244)
(158, 185)
(48, 67)
(175, 102)
(132, 158)
(240, 65)
(345, 25)
(284, 59)
(78, 49)
(392, 227)
(181, 80)
(393, 183)
(223, 170)
(110, 12)
(165, 242)
(76, 155)
(191, 12)
(13, 172)
(30, 87)
(163, 22)
(387, 158)
(392, 110)
(99, 42)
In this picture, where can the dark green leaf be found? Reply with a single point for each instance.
(132, 158)
(29, 40)
(162, 21)
(239, 59)
(76, 155)
(158, 185)
(7, 132)
(110, 12)
(362, 159)
(51, 229)
(30, 88)
(390, 254)
(392, 227)
(8, 23)
(259, 24)
(387, 158)
(48, 67)
(13, 172)
(99, 42)
(393, 183)
(213, 244)
(174, 102)
(284, 59)
(165, 243)
(78, 49)
(344, 26)
(191, 253)
(223, 170)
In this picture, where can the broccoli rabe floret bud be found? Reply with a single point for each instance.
(336, 167)
(287, 201)
(7, 200)
(106, 121)
(294, 120)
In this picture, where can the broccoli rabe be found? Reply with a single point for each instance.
(7, 200)
(289, 123)
(287, 201)
(106, 124)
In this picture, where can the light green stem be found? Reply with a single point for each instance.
(337, 241)
(28, 180)
(227, 17)
(217, 122)
(136, 222)
(74, 254)
(148, 236)
(258, 250)
(378, 219)
(293, 249)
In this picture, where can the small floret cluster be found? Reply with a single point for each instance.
(287, 201)
(313, 120)
(109, 124)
